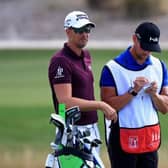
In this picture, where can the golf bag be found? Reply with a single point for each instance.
(72, 148)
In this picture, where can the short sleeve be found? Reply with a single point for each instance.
(106, 78)
(59, 70)
(165, 74)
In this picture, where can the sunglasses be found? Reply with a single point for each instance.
(86, 29)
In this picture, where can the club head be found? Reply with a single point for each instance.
(86, 133)
(86, 140)
(57, 120)
(98, 141)
(79, 134)
(72, 115)
(94, 144)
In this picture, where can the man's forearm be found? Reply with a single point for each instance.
(160, 102)
(118, 102)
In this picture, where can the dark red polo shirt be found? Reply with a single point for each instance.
(66, 67)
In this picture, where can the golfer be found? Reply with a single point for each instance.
(71, 78)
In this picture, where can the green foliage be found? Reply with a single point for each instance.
(25, 97)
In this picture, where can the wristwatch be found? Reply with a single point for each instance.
(132, 91)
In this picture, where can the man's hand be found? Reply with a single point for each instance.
(139, 83)
(109, 112)
(152, 89)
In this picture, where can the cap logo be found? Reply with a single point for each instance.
(81, 16)
(153, 39)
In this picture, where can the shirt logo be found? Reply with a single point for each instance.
(59, 73)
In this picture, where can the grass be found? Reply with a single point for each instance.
(26, 104)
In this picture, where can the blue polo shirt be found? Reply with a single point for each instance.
(126, 60)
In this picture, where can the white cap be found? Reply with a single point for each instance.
(77, 19)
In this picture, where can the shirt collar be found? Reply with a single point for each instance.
(133, 61)
(70, 53)
(127, 60)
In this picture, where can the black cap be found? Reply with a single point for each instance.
(148, 34)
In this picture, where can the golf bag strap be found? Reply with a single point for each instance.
(71, 151)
